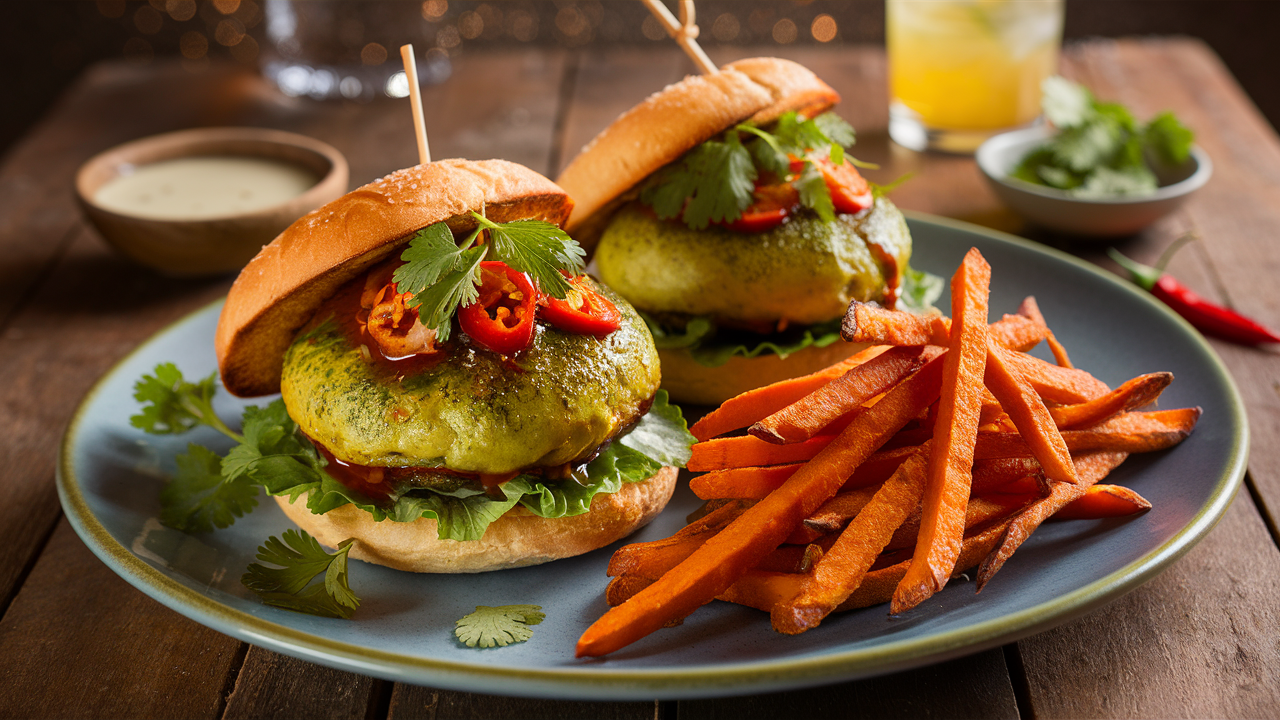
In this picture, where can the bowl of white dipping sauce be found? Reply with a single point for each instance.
(204, 201)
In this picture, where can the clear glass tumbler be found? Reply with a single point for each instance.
(961, 71)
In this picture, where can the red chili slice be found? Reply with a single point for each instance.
(583, 311)
(502, 318)
(850, 192)
(772, 206)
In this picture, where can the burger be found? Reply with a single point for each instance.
(725, 209)
(475, 400)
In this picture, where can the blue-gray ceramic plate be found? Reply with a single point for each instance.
(110, 474)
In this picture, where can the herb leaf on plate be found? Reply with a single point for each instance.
(498, 626)
(301, 560)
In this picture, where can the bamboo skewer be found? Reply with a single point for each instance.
(415, 101)
(684, 31)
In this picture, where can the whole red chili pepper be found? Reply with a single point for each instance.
(1207, 317)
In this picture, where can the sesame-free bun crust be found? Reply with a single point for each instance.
(688, 381)
(284, 284)
(672, 121)
(517, 539)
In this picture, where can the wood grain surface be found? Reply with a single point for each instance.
(77, 641)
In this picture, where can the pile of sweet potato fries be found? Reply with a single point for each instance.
(940, 447)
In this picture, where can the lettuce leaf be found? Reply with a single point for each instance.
(660, 438)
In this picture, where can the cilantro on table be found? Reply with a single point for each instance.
(442, 275)
(498, 626)
(715, 181)
(1101, 150)
(301, 560)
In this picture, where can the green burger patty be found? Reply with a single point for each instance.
(473, 411)
(805, 271)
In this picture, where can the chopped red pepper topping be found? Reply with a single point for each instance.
(502, 318)
(583, 311)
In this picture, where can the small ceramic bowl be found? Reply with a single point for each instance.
(1087, 217)
(189, 247)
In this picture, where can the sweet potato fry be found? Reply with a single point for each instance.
(980, 511)
(835, 513)
(1029, 415)
(753, 405)
(712, 568)
(762, 590)
(840, 571)
(1090, 468)
(1133, 394)
(807, 416)
(668, 552)
(994, 475)
(1134, 432)
(749, 482)
(1031, 309)
(1057, 384)
(1103, 501)
(748, 451)
(874, 324)
(951, 455)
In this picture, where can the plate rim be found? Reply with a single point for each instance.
(592, 680)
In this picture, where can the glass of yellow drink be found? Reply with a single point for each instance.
(961, 71)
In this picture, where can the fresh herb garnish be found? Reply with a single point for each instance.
(714, 182)
(1100, 150)
(301, 560)
(442, 275)
(498, 626)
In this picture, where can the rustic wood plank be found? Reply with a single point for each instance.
(974, 687)
(412, 702)
(271, 685)
(65, 654)
(1197, 641)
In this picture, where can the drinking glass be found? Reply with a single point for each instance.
(961, 71)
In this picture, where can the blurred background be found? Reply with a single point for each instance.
(296, 43)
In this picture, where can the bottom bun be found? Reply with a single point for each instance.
(688, 381)
(516, 539)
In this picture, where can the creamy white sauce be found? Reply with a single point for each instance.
(199, 188)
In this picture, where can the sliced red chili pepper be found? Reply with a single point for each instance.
(850, 192)
(1207, 317)
(772, 206)
(583, 311)
(502, 318)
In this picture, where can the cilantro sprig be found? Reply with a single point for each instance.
(715, 181)
(300, 560)
(498, 626)
(1101, 149)
(442, 275)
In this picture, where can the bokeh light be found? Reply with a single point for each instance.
(433, 10)
(726, 28)
(226, 7)
(824, 28)
(229, 32)
(373, 54)
(148, 20)
(193, 45)
(785, 31)
(111, 8)
(180, 10)
(470, 25)
(653, 29)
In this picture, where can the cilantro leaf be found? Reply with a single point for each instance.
(172, 406)
(667, 190)
(431, 253)
(437, 304)
(536, 247)
(1105, 181)
(799, 135)
(198, 499)
(837, 131)
(301, 560)
(498, 626)
(1065, 104)
(1086, 146)
(1169, 139)
(814, 192)
(724, 182)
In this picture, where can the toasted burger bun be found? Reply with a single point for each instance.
(280, 288)
(517, 539)
(671, 122)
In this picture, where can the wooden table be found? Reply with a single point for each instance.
(1201, 640)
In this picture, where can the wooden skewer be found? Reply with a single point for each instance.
(684, 31)
(415, 101)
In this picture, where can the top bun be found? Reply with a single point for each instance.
(282, 286)
(674, 120)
